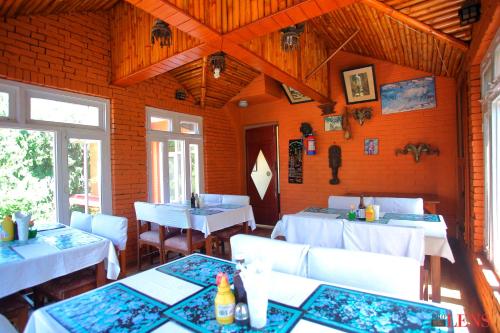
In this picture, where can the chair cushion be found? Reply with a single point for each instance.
(180, 241)
(236, 199)
(345, 202)
(113, 228)
(283, 256)
(398, 276)
(400, 205)
(150, 236)
(81, 221)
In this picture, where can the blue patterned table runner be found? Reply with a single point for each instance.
(71, 239)
(355, 311)
(114, 308)
(48, 226)
(204, 211)
(228, 206)
(197, 313)
(7, 254)
(198, 269)
(341, 212)
(412, 217)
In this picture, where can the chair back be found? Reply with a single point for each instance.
(390, 240)
(169, 216)
(400, 205)
(6, 326)
(284, 257)
(398, 276)
(111, 227)
(236, 199)
(345, 202)
(81, 221)
(211, 199)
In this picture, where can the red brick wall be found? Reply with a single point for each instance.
(384, 172)
(72, 52)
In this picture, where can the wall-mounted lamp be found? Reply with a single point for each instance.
(290, 37)
(161, 32)
(217, 64)
(470, 12)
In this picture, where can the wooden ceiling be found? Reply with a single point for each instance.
(422, 34)
(198, 79)
(13, 8)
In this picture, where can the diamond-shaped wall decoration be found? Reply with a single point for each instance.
(261, 174)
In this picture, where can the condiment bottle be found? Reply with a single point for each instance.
(361, 208)
(241, 315)
(193, 201)
(370, 214)
(240, 293)
(224, 303)
(8, 229)
(196, 201)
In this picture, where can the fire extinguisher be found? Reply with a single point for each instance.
(310, 143)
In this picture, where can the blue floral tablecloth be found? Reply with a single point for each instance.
(7, 254)
(341, 212)
(412, 217)
(71, 239)
(354, 311)
(198, 269)
(204, 211)
(115, 308)
(228, 206)
(197, 313)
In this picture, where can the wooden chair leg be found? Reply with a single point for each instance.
(208, 245)
(22, 319)
(38, 299)
(123, 263)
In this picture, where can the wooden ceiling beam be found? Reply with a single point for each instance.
(405, 19)
(204, 82)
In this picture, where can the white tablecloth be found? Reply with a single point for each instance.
(43, 262)
(326, 230)
(227, 218)
(284, 288)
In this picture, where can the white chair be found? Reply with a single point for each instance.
(81, 221)
(236, 199)
(284, 257)
(6, 326)
(211, 199)
(397, 276)
(400, 205)
(115, 229)
(345, 202)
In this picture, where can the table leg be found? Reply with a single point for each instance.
(100, 274)
(436, 278)
(208, 245)
(245, 227)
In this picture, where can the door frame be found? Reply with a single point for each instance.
(278, 185)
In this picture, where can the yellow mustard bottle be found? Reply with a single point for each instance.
(370, 214)
(7, 229)
(224, 303)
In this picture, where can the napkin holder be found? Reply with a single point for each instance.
(256, 281)
(23, 225)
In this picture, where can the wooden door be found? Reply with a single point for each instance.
(262, 173)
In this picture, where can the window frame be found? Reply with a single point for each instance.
(63, 132)
(175, 134)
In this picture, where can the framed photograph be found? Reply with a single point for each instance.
(371, 146)
(408, 95)
(359, 85)
(333, 123)
(295, 96)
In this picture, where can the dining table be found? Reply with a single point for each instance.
(329, 227)
(56, 250)
(179, 297)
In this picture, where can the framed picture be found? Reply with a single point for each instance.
(371, 146)
(333, 123)
(359, 84)
(408, 95)
(295, 96)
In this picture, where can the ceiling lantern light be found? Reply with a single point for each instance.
(161, 32)
(469, 13)
(243, 103)
(290, 37)
(217, 63)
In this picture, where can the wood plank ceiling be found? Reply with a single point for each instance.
(422, 34)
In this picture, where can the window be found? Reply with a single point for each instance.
(55, 153)
(175, 155)
(490, 90)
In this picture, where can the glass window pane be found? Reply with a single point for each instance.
(157, 168)
(194, 162)
(486, 79)
(496, 61)
(176, 171)
(161, 124)
(84, 165)
(63, 112)
(188, 127)
(27, 180)
(4, 104)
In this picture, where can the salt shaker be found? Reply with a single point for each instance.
(241, 315)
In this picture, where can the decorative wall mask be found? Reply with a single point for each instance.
(362, 114)
(346, 126)
(161, 32)
(327, 108)
(417, 150)
(335, 162)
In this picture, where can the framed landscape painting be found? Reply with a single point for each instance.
(359, 85)
(408, 95)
